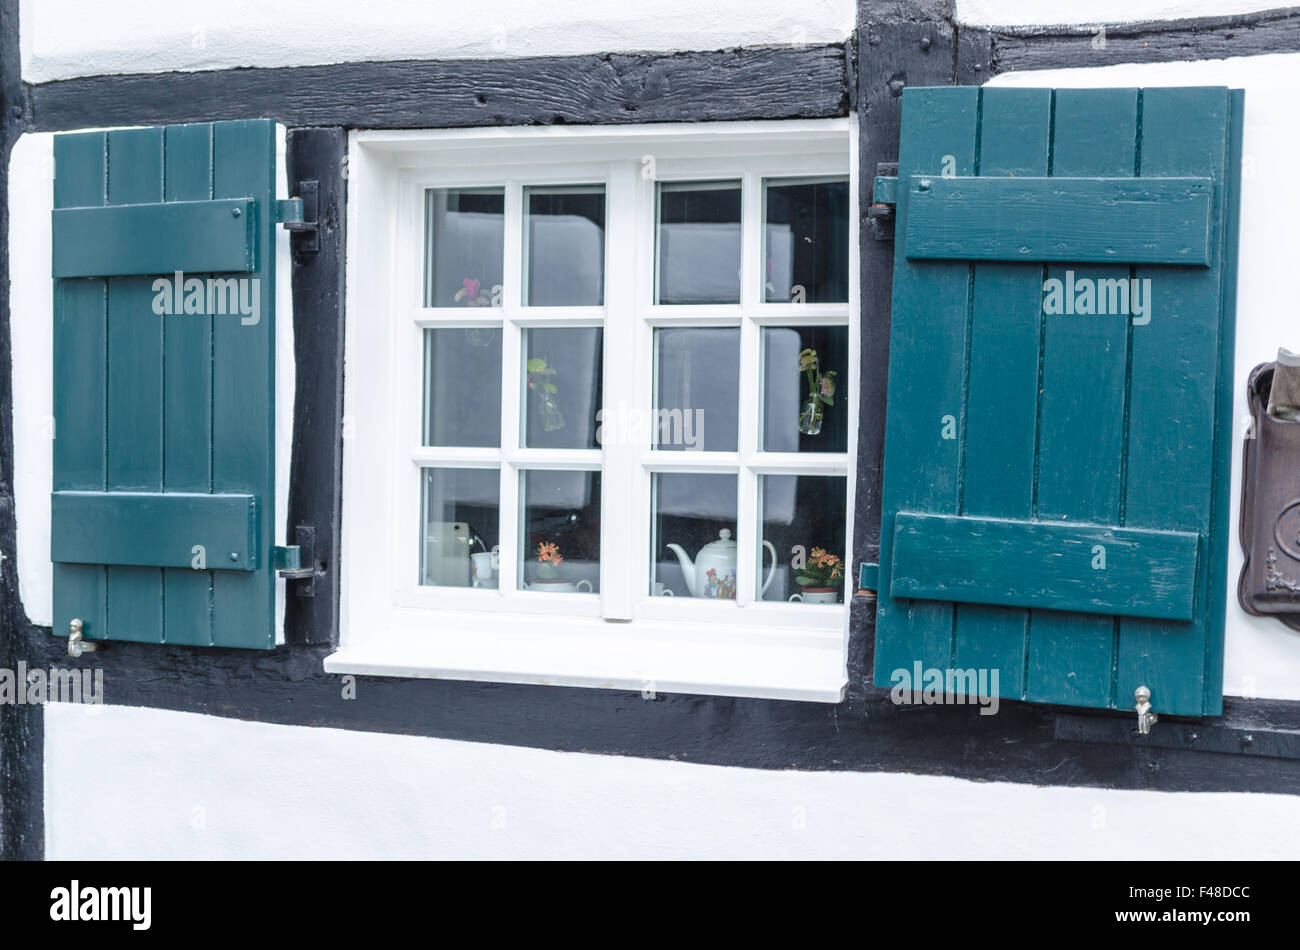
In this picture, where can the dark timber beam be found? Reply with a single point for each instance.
(1057, 47)
(22, 815)
(778, 82)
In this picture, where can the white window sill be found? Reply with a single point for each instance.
(791, 663)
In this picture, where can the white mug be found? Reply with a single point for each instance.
(482, 571)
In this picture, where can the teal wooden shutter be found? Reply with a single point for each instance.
(1056, 483)
(163, 498)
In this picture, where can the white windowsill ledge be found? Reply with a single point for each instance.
(796, 666)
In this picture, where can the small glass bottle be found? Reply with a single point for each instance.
(552, 417)
(810, 419)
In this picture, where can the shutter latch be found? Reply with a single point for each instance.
(884, 196)
(1146, 716)
(297, 562)
(300, 215)
(77, 642)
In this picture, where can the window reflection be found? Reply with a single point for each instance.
(699, 243)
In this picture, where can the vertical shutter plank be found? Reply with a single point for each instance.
(925, 385)
(243, 436)
(135, 171)
(80, 341)
(1002, 396)
(187, 397)
(1081, 425)
(1173, 398)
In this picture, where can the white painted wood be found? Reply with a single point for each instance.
(454, 620)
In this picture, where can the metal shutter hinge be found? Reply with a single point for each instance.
(884, 197)
(297, 562)
(300, 215)
(868, 578)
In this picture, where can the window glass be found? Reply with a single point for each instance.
(698, 243)
(464, 246)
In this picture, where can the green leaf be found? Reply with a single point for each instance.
(549, 388)
(536, 365)
(804, 580)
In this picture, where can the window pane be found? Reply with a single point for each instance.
(804, 523)
(465, 249)
(699, 243)
(805, 389)
(562, 387)
(462, 387)
(564, 233)
(697, 383)
(693, 551)
(806, 241)
(561, 531)
(460, 524)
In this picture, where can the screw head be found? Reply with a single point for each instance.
(235, 212)
(234, 555)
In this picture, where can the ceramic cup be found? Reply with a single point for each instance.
(484, 574)
(816, 596)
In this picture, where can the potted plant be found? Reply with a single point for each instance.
(471, 294)
(821, 392)
(820, 578)
(546, 575)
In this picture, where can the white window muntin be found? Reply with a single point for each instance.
(408, 163)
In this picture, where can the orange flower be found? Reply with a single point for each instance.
(549, 552)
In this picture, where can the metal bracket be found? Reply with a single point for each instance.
(297, 562)
(884, 197)
(301, 215)
(77, 642)
(868, 578)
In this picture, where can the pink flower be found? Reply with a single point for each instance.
(471, 287)
(828, 386)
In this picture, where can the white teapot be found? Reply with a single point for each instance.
(713, 572)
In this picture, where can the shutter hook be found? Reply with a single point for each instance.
(77, 643)
(1146, 717)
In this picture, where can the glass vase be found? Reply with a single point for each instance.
(810, 419)
(552, 417)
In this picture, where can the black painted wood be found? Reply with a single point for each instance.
(892, 54)
(22, 833)
(1247, 34)
(784, 82)
(316, 466)
(1018, 744)
(1263, 729)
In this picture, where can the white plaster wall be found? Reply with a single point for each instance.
(1262, 656)
(123, 782)
(65, 38)
(1036, 12)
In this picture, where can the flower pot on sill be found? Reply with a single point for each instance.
(818, 595)
(560, 585)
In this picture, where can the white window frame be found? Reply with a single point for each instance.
(622, 638)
